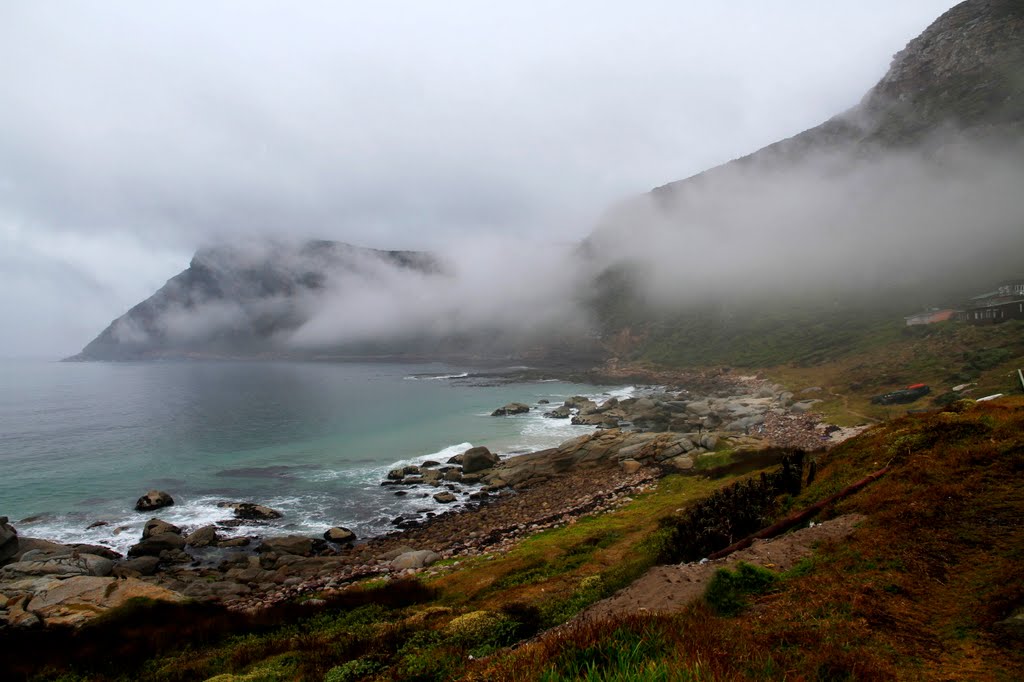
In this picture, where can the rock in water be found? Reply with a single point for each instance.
(250, 511)
(444, 498)
(157, 527)
(154, 499)
(511, 408)
(339, 534)
(478, 459)
(8, 540)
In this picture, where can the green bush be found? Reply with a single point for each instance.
(728, 590)
(352, 671)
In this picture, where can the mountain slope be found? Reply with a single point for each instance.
(241, 300)
(907, 200)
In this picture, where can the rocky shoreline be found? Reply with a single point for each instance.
(635, 441)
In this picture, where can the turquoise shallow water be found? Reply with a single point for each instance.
(79, 442)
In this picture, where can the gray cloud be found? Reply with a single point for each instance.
(132, 134)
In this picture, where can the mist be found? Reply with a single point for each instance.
(941, 217)
(130, 136)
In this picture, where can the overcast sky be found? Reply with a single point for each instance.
(131, 133)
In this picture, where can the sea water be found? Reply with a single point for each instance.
(80, 442)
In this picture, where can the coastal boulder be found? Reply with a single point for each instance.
(8, 540)
(415, 559)
(250, 511)
(155, 544)
(143, 565)
(561, 412)
(157, 527)
(202, 537)
(75, 600)
(37, 564)
(339, 534)
(510, 409)
(444, 498)
(478, 459)
(298, 545)
(154, 499)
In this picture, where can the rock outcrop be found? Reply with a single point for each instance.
(8, 540)
(153, 500)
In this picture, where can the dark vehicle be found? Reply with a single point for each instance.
(905, 395)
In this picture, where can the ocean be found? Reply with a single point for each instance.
(80, 442)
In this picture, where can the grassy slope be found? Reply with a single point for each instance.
(915, 594)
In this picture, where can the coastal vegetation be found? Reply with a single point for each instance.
(926, 587)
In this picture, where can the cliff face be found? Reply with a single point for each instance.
(240, 301)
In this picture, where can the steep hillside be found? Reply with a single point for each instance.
(904, 201)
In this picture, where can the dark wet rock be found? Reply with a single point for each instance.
(444, 498)
(155, 544)
(234, 542)
(97, 524)
(154, 499)
(429, 464)
(26, 545)
(8, 540)
(250, 511)
(396, 474)
(339, 534)
(157, 527)
(290, 544)
(510, 409)
(98, 550)
(202, 537)
(478, 459)
(143, 565)
(401, 493)
(453, 475)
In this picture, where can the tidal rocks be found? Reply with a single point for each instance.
(510, 409)
(339, 534)
(561, 412)
(290, 544)
(153, 545)
(8, 540)
(143, 565)
(156, 527)
(251, 512)
(38, 564)
(444, 498)
(478, 459)
(202, 537)
(154, 499)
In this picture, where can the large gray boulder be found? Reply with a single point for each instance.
(297, 545)
(561, 412)
(154, 499)
(8, 540)
(37, 564)
(416, 559)
(478, 459)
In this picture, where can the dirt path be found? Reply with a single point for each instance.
(670, 588)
